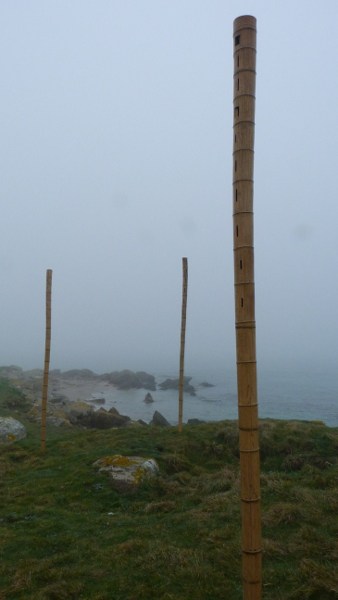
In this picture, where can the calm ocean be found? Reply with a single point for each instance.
(306, 394)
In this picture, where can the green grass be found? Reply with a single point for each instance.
(65, 533)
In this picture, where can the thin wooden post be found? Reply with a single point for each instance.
(49, 273)
(243, 167)
(182, 348)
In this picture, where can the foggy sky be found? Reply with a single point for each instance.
(116, 161)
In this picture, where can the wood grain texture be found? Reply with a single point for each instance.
(49, 274)
(182, 344)
(243, 234)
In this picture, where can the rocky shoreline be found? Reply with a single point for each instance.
(76, 397)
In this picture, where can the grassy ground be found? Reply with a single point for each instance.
(66, 534)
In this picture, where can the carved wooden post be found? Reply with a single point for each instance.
(243, 167)
(183, 326)
(49, 273)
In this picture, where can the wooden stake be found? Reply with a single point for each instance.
(243, 164)
(183, 326)
(49, 273)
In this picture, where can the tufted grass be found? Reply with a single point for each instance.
(66, 534)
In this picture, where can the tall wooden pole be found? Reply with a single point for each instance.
(49, 273)
(243, 170)
(183, 327)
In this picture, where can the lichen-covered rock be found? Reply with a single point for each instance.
(11, 430)
(76, 411)
(127, 472)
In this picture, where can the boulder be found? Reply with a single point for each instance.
(97, 399)
(101, 419)
(147, 380)
(173, 384)
(127, 380)
(11, 372)
(76, 411)
(127, 472)
(80, 374)
(56, 398)
(11, 430)
(148, 399)
(159, 420)
(195, 422)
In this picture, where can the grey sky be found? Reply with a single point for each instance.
(116, 161)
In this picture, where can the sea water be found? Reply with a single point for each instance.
(292, 393)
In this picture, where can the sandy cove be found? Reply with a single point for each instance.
(78, 389)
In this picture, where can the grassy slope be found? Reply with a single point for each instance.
(65, 533)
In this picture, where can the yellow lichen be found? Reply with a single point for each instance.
(117, 460)
(139, 474)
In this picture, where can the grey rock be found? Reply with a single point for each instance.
(159, 420)
(11, 430)
(76, 411)
(58, 398)
(11, 372)
(127, 380)
(101, 419)
(126, 473)
(173, 384)
(80, 374)
(148, 399)
(97, 399)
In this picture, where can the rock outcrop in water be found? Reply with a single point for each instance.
(172, 384)
(148, 399)
(159, 420)
(78, 374)
(128, 380)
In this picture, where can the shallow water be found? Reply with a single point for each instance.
(305, 394)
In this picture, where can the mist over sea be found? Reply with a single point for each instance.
(289, 393)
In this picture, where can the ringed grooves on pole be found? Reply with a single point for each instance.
(182, 348)
(49, 274)
(243, 171)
